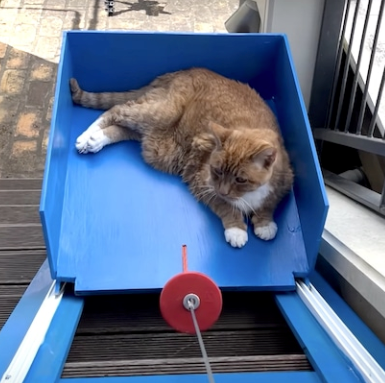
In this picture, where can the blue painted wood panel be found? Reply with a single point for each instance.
(18, 323)
(360, 330)
(324, 356)
(51, 357)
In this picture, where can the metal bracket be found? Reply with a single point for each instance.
(367, 366)
(109, 7)
(59, 288)
(27, 351)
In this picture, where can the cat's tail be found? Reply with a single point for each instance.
(102, 100)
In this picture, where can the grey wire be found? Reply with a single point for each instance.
(201, 344)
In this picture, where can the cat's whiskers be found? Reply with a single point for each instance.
(213, 196)
(204, 193)
(201, 192)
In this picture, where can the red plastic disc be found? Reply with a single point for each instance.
(173, 293)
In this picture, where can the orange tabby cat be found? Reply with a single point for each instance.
(218, 134)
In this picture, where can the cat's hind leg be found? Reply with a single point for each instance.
(83, 140)
(95, 139)
(108, 118)
(138, 117)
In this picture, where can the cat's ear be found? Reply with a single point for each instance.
(212, 139)
(266, 157)
(205, 142)
(218, 132)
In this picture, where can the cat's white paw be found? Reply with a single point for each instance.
(92, 141)
(266, 232)
(97, 141)
(82, 142)
(236, 237)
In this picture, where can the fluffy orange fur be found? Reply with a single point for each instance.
(217, 134)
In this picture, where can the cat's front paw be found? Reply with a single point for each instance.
(236, 237)
(266, 232)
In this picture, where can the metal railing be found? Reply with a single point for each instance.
(349, 108)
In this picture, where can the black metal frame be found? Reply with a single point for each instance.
(325, 62)
(339, 111)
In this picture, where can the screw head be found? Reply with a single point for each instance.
(191, 301)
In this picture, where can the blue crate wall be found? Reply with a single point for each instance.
(309, 190)
(118, 61)
(100, 70)
(53, 189)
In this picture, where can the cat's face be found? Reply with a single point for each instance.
(240, 163)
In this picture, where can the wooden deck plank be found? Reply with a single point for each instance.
(14, 215)
(21, 237)
(126, 309)
(19, 267)
(19, 230)
(250, 335)
(169, 345)
(9, 296)
(260, 363)
(20, 184)
(20, 197)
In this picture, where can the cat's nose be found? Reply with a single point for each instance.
(224, 192)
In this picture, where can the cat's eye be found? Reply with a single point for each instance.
(241, 180)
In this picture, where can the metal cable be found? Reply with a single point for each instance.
(201, 344)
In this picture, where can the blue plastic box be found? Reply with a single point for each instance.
(112, 223)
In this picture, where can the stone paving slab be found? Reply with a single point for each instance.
(30, 40)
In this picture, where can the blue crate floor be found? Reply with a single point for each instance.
(123, 225)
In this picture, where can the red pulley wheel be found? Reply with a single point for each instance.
(173, 301)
